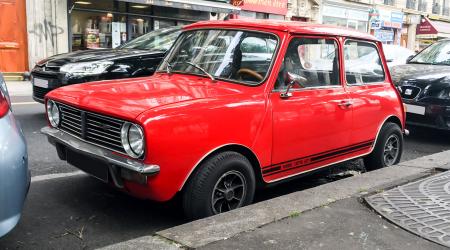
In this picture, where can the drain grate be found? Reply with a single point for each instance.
(421, 207)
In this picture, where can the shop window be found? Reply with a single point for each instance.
(91, 30)
(139, 26)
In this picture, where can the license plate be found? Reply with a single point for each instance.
(40, 83)
(414, 109)
(408, 91)
(95, 168)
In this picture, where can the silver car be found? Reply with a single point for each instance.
(14, 174)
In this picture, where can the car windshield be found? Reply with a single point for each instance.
(438, 53)
(234, 55)
(159, 40)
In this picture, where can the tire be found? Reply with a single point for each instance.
(389, 133)
(224, 168)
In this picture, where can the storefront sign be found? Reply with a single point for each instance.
(426, 28)
(384, 35)
(278, 7)
(388, 19)
(341, 12)
(375, 24)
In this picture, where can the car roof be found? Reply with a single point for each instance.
(287, 26)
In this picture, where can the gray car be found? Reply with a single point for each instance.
(14, 174)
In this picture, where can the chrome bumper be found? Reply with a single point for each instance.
(55, 135)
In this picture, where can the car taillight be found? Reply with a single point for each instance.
(4, 105)
(5, 102)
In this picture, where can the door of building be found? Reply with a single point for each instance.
(13, 36)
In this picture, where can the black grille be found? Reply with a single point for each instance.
(410, 92)
(48, 76)
(39, 92)
(101, 130)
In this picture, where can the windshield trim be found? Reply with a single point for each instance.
(266, 77)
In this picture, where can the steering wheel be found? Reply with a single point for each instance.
(250, 72)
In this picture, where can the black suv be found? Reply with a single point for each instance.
(138, 57)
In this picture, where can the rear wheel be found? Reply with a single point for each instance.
(388, 148)
(224, 182)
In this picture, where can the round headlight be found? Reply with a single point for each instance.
(53, 113)
(132, 139)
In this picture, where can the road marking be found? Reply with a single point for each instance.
(24, 103)
(55, 176)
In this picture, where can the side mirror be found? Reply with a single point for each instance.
(293, 79)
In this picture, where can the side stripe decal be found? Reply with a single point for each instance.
(316, 158)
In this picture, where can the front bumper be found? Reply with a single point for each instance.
(56, 80)
(112, 160)
(436, 116)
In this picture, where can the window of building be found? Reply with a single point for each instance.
(111, 23)
(362, 63)
(313, 59)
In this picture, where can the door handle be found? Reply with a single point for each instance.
(345, 104)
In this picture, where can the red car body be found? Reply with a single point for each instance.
(187, 118)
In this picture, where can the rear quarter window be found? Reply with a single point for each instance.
(363, 63)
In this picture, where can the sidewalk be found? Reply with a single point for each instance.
(330, 216)
(19, 88)
(345, 224)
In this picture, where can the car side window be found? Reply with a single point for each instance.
(362, 63)
(314, 60)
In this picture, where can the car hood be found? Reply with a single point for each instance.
(421, 74)
(96, 55)
(127, 99)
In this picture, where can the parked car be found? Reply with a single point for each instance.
(213, 125)
(397, 55)
(14, 175)
(139, 57)
(425, 86)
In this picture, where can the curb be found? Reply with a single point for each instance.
(223, 226)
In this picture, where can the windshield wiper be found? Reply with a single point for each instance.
(201, 69)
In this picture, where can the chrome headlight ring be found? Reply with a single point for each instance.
(53, 113)
(132, 137)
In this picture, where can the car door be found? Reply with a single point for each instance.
(311, 127)
(367, 85)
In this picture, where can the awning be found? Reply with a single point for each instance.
(432, 29)
(200, 5)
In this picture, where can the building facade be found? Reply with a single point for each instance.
(62, 26)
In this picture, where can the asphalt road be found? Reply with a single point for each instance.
(78, 212)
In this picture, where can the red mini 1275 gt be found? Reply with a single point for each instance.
(235, 105)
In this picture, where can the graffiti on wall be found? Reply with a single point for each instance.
(46, 31)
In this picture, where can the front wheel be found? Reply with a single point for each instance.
(388, 148)
(224, 182)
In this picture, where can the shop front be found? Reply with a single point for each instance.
(110, 23)
(262, 9)
(349, 16)
(386, 25)
(429, 31)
